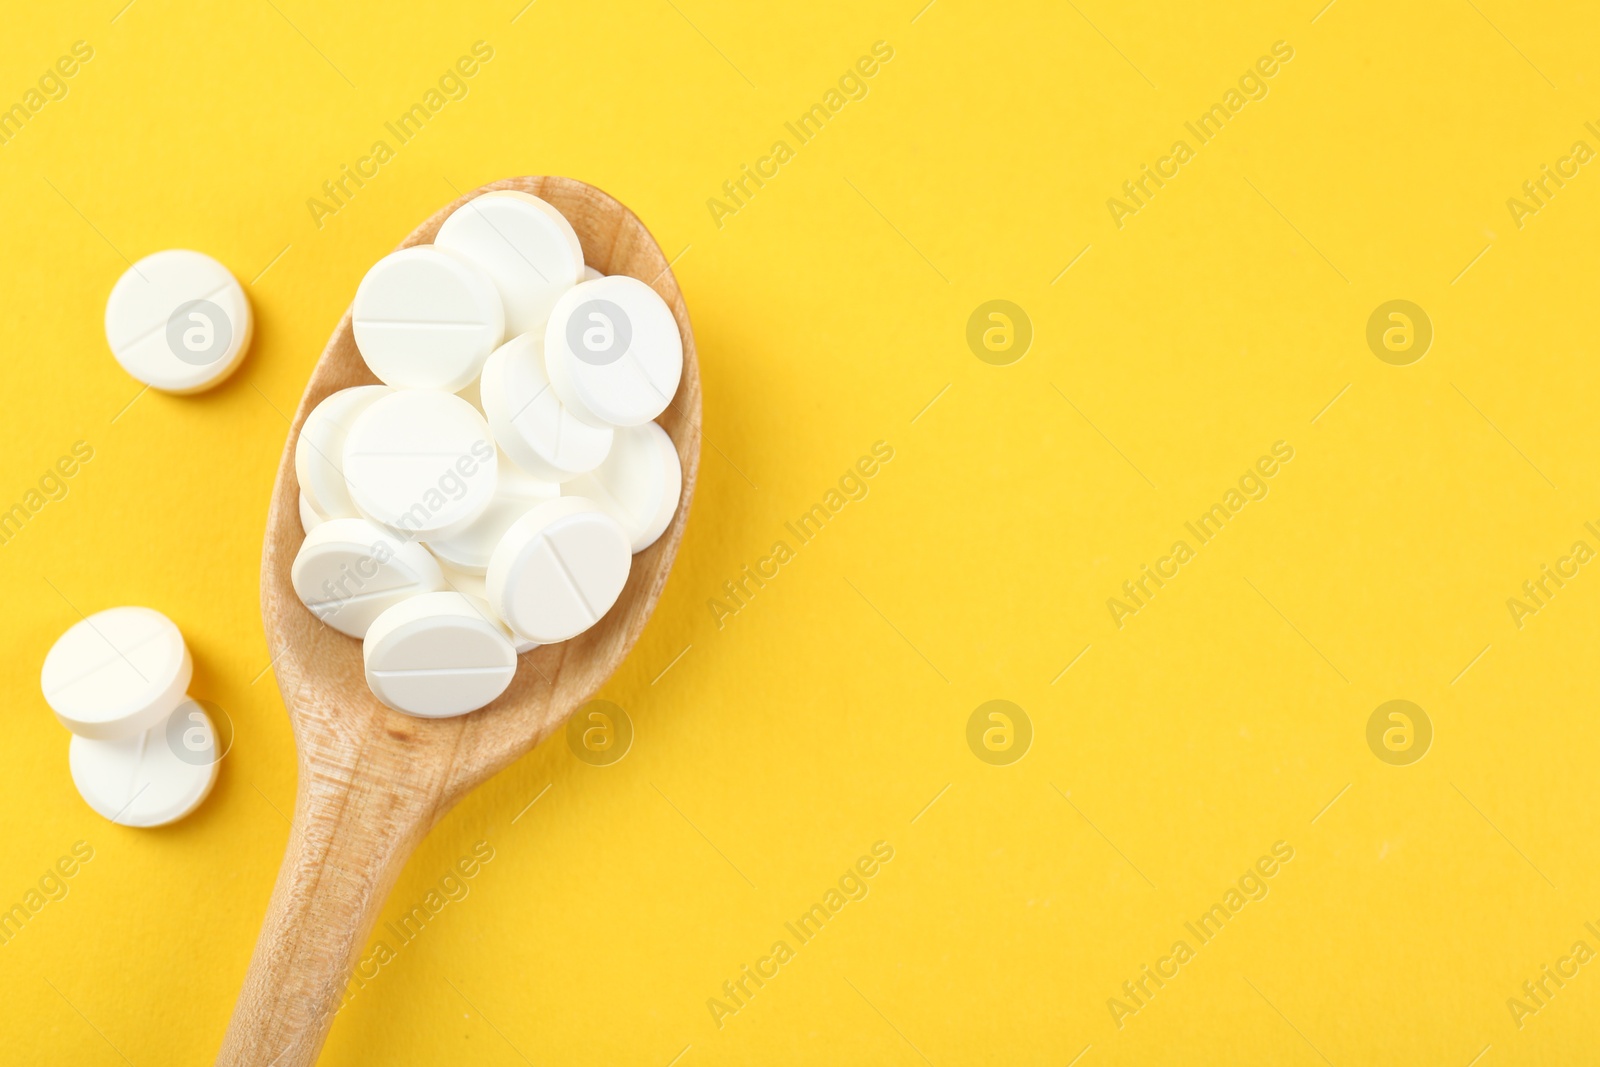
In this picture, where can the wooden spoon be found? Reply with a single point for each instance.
(373, 781)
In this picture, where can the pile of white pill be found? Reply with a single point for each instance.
(488, 497)
(143, 753)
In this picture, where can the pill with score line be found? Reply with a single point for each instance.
(116, 673)
(438, 655)
(425, 318)
(638, 484)
(178, 321)
(558, 570)
(613, 351)
(319, 450)
(524, 244)
(348, 571)
(421, 463)
(153, 778)
(530, 422)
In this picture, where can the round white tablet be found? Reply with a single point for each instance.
(638, 484)
(558, 570)
(437, 655)
(421, 463)
(319, 451)
(515, 494)
(524, 244)
(153, 778)
(530, 422)
(116, 673)
(613, 351)
(309, 519)
(348, 571)
(178, 321)
(590, 274)
(426, 319)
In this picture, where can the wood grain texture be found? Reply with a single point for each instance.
(372, 781)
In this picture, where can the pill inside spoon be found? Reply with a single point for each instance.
(510, 445)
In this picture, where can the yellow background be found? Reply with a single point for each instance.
(831, 710)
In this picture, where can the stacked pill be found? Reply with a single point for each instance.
(489, 495)
(143, 753)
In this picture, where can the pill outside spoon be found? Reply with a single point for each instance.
(373, 781)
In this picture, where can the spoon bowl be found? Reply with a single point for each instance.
(372, 781)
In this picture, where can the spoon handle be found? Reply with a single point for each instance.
(354, 828)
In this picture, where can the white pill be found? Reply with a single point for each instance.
(613, 351)
(515, 494)
(638, 484)
(426, 319)
(309, 519)
(116, 673)
(319, 451)
(178, 321)
(421, 463)
(153, 778)
(524, 244)
(437, 655)
(590, 274)
(558, 570)
(348, 571)
(530, 422)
